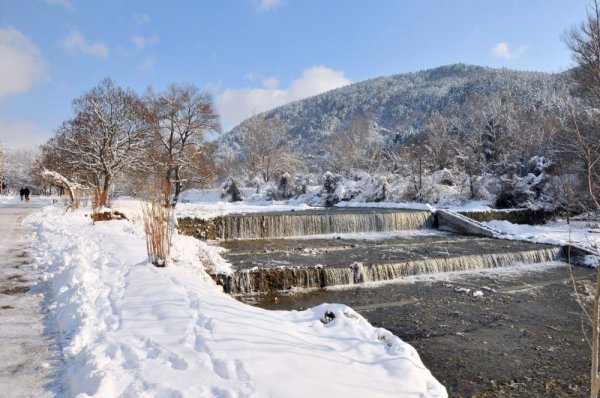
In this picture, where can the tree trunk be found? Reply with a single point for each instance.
(595, 382)
(177, 187)
(167, 187)
(102, 195)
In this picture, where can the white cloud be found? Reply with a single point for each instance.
(502, 50)
(147, 65)
(77, 42)
(270, 82)
(236, 105)
(265, 5)
(142, 42)
(61, 3)
(21, 135)
(141, 19)
(22, 65)
(266, 81)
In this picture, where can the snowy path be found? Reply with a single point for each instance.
(29, 355)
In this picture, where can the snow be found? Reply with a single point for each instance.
(215, 209)
(208, 204)
(130, 329)
(474, 205)
(387, 205)
(4, 199)
(580, 233)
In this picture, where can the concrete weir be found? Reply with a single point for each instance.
(306, 222)
(280, 265)
(319, 248)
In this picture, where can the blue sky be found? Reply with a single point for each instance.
(253, 55)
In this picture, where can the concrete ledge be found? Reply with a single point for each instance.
(455, 222)
(578, 255)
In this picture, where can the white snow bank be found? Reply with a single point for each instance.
(130, 329)
(579, 233)
(474, 205)
(208, 205)
(558, 232)
(387, 205)
(4, 199)
(215, 209)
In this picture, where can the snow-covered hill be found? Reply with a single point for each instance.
(400, 105)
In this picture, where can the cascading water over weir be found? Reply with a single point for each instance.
(319, 248)
(306, 222)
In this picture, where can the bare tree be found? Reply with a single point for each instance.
(584, 42)
(440, 143)
(19, 168)
(2, 169)
(267, 149)
(107, 136)
(183, 116)
(355, 146)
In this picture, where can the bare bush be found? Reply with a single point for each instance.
(158, 226)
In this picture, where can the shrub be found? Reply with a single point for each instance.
(158, 226)
(230, 191)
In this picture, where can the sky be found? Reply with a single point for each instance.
(253, 55)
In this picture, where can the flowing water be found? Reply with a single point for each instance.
(318, 248)
(264, 266)
(308, 222)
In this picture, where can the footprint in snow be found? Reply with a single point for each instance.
(177, 362)
(241, 372)
(199, 345)
(223, 368)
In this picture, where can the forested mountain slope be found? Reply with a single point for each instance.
(391, 108)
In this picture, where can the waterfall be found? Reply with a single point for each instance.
(262, 226)
(259, 247)
(284, 278)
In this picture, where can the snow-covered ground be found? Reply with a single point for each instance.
(130, 329)
(582, 233)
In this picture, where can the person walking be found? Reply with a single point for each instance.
(26, 193)
(22, 193)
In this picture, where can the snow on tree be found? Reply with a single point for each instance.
(74, 190)
(355, 146)
(107, 136)
(19, 169)
(230, 191)
(404, 103)
(267, 149)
